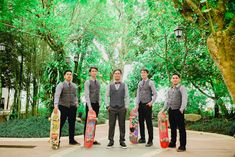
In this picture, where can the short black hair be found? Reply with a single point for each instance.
(117, 70)
(93, 68)
(67, 71)
(143, 69)
(176, 74)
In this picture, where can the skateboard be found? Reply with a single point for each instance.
(133, 126)
(163, 130)
(55, 130)
(90, 129)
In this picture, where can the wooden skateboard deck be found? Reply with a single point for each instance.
(55, 130)
(163, 130)
(133, 135)
(90, 129)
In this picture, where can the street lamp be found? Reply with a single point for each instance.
(2, 47)
(67, 60)
(75, 59)
(178, 32)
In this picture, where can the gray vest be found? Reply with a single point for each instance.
(175, 98)
(145, 92)
(94, 91)
(117, 95)
(68, 95)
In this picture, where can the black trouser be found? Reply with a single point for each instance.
(145, 113)
(71, 114)
(96, 108)
(176, 119)
(115, 113)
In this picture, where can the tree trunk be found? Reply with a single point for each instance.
(35, 93)
(28, 94)
(222, 47)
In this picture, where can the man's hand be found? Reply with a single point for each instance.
(136, 108)
(149, 104)
(108, 108)
(91, 109)
(55, 109)
(181, 111)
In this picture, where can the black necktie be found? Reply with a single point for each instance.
(143, 82)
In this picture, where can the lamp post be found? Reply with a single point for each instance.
(2, 48)
(75, 59)
(67, 60)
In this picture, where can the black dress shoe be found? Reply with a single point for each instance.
(141, 141)
(110, 145)
(74, 143)
(96, 143)
(181, 149)
(123, 145)
(149, 144)
(171, 145)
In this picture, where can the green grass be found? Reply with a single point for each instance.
(32, 127)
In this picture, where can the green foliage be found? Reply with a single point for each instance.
(32, 127)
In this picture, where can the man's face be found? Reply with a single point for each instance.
(144, 75)
(93, 72)
(68, 76)
(117, 75)
(175, 80)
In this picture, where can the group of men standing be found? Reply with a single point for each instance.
(117, 101)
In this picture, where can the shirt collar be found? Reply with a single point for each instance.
(67, 82)
(177, 86)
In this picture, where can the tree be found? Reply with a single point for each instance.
(217, 17)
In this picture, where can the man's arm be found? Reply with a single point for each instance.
(107, 96)
(126, 98)
(76, 97)
(154, 92)
(58, 91)
(137, 100)
(184, 98)
(87, 93)
(165, 107)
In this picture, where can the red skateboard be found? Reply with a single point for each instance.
(134, 126)
(90, 129)
(163, 130)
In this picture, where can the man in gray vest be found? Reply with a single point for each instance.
(176, 102)
(92, 95)
(66, 101)
(146, 96)
(117, 101)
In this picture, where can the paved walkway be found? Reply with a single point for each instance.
(199, 145)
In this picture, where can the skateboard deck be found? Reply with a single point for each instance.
(55, 130)
(90, 129)
(163, 130)
(133, 135)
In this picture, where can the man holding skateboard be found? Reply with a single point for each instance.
(146, 96)
(92, 95)
(66, 101)
(117, 101)
(176, 102)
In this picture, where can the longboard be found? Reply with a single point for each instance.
(163, 130)
(90, 129)
(55, 130)
(133, 135)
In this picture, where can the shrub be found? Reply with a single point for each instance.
(32, 127)
(220, 126)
